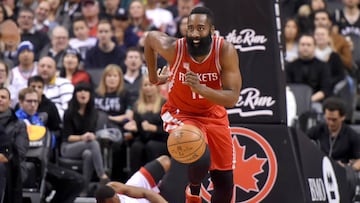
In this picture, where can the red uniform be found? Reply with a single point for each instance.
(185, 106)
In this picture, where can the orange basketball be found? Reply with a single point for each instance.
(186, 144)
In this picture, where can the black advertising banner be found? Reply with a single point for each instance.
(272, 165)
(254, 28)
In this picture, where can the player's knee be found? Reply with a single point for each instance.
(165, 162)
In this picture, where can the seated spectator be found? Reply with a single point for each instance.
(106, 51)
(82, 41)
(133, 74)
(39, 39)
(123, 31)
(58, 90)
(339, 43)
(45, 105)
(309, 70)
(79, 140)
(57, 46)
(291, 35)
(181, 27)
(41, 21)
(325, 53)
(337, 140)
(90, 9)
(20, 74)
(71, 69)
(67, 188)
(29, 102)
(14, 144)
(113, 99)
(147, 126)
(4, 74)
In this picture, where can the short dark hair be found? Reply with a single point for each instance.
(206, 11)
(25, 91)
(7, 90)
(323, 11)
(35, 78)
(103, 193)
(335, 104)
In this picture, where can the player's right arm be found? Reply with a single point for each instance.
(136, 192)
(158, 43)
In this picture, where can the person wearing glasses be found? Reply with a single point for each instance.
(338, 140)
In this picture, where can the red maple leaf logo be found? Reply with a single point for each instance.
(246, 170)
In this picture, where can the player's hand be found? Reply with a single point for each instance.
(163, 75)
(193, 81)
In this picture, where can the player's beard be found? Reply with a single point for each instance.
(203, 47)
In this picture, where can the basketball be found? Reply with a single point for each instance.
(186, 144)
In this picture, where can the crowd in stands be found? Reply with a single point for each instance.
(77, 61)
(63, 42)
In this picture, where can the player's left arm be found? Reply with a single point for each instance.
(230, 77)
(137, 192)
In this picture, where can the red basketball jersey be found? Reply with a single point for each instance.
(180, 96)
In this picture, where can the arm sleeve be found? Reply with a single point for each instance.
(21, 139)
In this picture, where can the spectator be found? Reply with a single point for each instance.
(29, 102)
(54, 13)
(56, 49)
(79, 139)
(81, 41)
(348, 21)
(64, 12)
(3, 13)
(4, 74)
(306, 15)
(112, 98)
(67, 188)
(340, 45)
(90, 9)
(147, 126)
(111, 9)
(181, 27)
(20, 74)
(45, 105)
(58, 90)
(71, 69)
(337, 140)
(291, 35)
(14, 144)
(325, 53)
(106, 51)
(184, 8)
(307, 69)
(39, 39)
(123, 31)
(41, 22)
(138, 18)
(161, 18)
(133, 74)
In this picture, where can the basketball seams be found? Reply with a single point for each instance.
(183, 147)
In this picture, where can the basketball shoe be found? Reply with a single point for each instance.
(191, 198)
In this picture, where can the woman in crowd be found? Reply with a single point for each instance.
(112, 98)
(147, 126)
(291, 34)
(79, 139)
(71, 69)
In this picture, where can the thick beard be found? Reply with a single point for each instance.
(203, 48)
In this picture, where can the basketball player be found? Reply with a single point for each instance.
(140, 188)
(203, 78)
